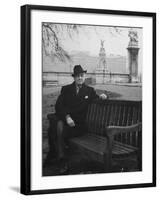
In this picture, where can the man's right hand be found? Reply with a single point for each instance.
(70, 121)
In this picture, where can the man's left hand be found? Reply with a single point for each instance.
(103, 96)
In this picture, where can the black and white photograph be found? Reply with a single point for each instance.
(88, 84)
(92, 99)
(80, 100)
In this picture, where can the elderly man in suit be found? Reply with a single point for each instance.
(71, 108)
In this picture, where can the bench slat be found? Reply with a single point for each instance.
(97, 145)
(125, 146)
(91, 142)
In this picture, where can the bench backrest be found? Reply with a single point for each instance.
(114, 112)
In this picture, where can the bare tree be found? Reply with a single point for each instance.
(51, 39)
(53, 34)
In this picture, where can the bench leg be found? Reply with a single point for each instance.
(56, 133)
(107, 162)
(61, 130)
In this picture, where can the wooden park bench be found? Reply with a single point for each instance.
(114, 132)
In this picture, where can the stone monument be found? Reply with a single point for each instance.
(102, 69)
(133, 50)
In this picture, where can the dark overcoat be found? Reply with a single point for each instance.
(69, 102)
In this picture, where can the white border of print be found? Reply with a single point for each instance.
(54, 182)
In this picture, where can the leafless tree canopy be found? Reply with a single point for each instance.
(53, 34)
(51, 39)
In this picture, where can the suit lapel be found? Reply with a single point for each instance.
(82, 91)
(73, 89)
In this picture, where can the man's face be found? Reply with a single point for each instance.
(79, 78)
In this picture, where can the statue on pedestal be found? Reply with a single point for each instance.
(133, 50)
(102, 69)
(133, 38)
(102, 43)
(102, 64)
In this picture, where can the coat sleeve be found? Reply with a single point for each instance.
(61, 109)
(94, 95)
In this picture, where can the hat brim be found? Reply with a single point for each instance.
(85, 71)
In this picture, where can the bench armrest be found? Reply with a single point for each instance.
(114, 130)
(110, 132)
(51, 116)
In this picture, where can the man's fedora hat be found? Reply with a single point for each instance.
(78, 70)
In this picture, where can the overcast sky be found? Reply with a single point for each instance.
(89, 39)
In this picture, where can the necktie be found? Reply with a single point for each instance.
(78, 88)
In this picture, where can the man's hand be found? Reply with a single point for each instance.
(103, 96)
(70, 121)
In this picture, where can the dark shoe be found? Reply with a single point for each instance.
(50, 160)
(63, 166)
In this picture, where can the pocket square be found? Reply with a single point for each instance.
(86, 97)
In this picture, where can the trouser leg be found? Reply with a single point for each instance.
(56, 138)
(64, 133)
(52, 139)
(61, 133)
